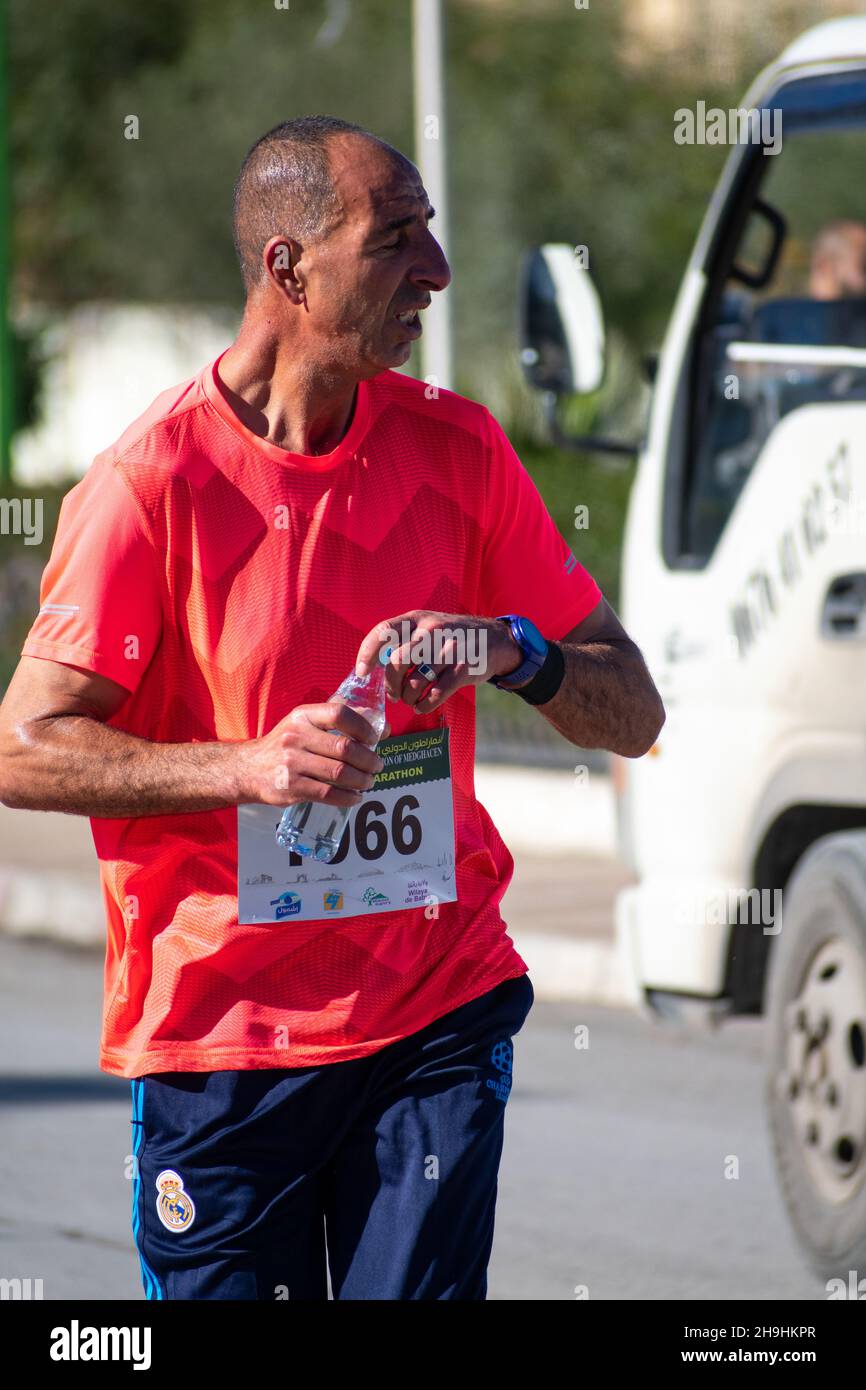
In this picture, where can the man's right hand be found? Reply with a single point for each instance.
(59, 753)
(302, 760)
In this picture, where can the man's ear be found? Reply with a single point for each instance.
(281, 256)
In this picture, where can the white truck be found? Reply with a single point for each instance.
(744, 584)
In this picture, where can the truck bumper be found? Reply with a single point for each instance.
(674, 934)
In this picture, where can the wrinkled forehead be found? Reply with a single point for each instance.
(374, 184)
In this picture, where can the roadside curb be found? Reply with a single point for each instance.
(59, 907)
(549, 811)
(65, 909)
(582, 972)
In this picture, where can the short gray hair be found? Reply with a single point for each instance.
(285, 186)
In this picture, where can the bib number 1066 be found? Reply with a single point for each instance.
(370, 827)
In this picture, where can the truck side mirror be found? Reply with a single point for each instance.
(762, 244)
(561, 323)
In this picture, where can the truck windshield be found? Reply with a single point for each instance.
(796, 338)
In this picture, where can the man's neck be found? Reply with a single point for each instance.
(281, 397)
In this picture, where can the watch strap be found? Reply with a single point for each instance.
(548, 678)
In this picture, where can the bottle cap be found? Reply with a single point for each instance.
(385, 655)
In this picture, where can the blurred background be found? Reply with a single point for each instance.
(119, 279)
(122, 275)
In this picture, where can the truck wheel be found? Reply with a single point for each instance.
(816, 1083)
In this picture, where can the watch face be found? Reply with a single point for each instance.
(531, 636)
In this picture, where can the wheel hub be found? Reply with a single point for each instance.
(824, 1082)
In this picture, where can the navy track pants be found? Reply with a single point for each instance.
(380, 1171)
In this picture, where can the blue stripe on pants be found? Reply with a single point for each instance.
(151, 1284)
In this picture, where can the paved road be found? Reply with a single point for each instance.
(612, 1177)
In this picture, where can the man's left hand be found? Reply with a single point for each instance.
(458, 648)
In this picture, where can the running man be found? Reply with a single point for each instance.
(310, 1094)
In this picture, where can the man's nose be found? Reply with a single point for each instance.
(432, 271)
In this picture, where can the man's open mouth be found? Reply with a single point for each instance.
(410, 319)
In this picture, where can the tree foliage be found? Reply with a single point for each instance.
(552, 137)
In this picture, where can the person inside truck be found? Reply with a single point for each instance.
(830, 312)
(838, 263)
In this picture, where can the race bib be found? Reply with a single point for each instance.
(397, 849)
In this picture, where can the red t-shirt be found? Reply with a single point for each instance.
(222, 581)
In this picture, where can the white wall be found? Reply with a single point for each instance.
(106, 364)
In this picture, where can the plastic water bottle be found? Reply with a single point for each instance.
(313, 827)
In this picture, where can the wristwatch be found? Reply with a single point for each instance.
(542, 660)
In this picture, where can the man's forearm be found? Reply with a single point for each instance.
(607, 699)
(79, 765)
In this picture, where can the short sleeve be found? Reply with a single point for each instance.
(100, 605)
(526, 565)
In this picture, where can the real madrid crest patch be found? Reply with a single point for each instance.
(174, 1207)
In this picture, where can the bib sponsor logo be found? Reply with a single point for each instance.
(374, 899)
(287, 905)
